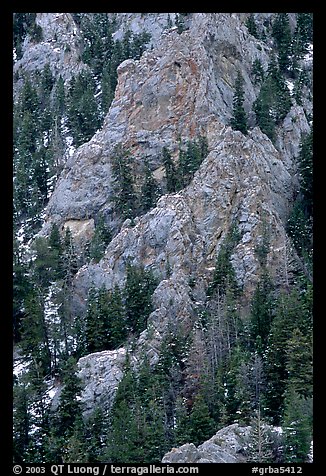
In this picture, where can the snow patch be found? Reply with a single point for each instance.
(20, 368)
(290, 85)
(311, 453)
(309, 55)
(70, 148)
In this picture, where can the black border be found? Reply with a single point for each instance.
(6, 201)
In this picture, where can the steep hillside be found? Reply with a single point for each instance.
(163, 236)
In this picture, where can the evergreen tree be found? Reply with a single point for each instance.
(251, 25)
(69, 261)
(261, 311)
(292, 310)
(29, 99)
(69, 409)
(107, 91)
(125, 197)
(138, 44)
(306, 172)
(21, 423)
(250, 384)
(75, 446)
(257, 71)
(239, 117)
(299, 363)
(300, 41)
(83, 110)
(300, 222)
(100, 240)
(181, 426)
(47, 83)
(180, 23)
(297, 427)
(95, 324)
(190, 160)
(105, 320)
(201, 425)
(59, 101)
(282, 34)
(116, 319)
(273, 101)
(260, 443)
(140, 285)
(96, 427)
(170, 171)
(149, 192)
(224, 274)
(34, 343)
(21, 289)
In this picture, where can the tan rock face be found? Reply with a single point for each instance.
(82, 231)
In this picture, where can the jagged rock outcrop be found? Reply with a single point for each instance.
(60, 48)
(100, 374)
(226, 446)
(181, 88)
(152, 23)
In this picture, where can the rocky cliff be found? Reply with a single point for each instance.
(180, 88)
(183, 87)
(226, 446)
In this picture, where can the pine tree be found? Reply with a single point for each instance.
(190, 160)
(273, 101)
(125, 196)
(292, 311)
(297, 427)
(69, 409)
(300, 222)
(224, 274)
(180, 23)
(261, 310)
(140, 285)
(201, 425)
(59, 98)
(69, 261)
(239, 117)
(282, 34)
(299, 363)
(34, 343)
(260, 443)
(21, 423)
(306, 171)
(83, 110)
(75, 446)
(116, 320)
(251, 25)
(47, 83)
(100, 240)
(170, 171)
(257, 71)
(22, 287)
(181, 427)
(149, 192)
(107, 91)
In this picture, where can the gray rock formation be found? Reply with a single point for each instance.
(181, 88)
(100, 374)
(226, 446)
(60, 48)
